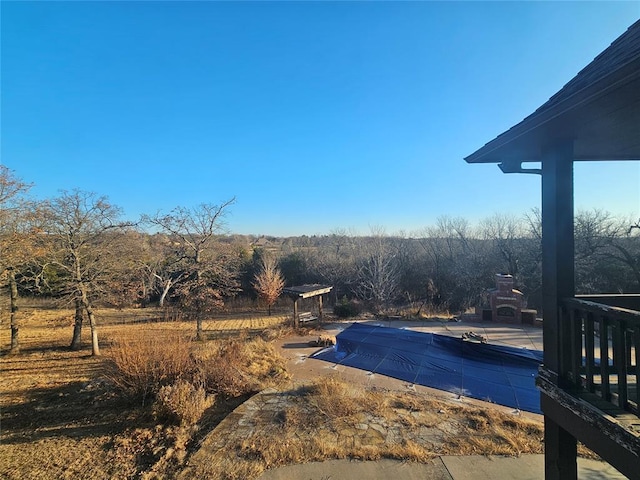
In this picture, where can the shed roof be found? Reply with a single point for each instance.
(599, 109)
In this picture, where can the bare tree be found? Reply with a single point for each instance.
(163, 263)
(268, 280)
(203, 271)
(16, 247)
(605, 243)
(459, 266)
(128, 282)
(377, 271)
(82, 229)
(504, 232)
(414, 277)
(334, 262)
(628, 253)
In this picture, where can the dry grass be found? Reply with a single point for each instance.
(182, 377)
(240, 366)
(61, 418)
(418, 312)
(332, 419)
(500, 433)
(486, 431)
(181, 403)
(332, 398)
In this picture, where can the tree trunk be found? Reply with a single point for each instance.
(199, 335)
(15, 344)
(165, 291)
(76, 341)
(95, 347)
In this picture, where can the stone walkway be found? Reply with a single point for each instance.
(255, 419)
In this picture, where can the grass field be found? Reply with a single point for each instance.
(59, 419)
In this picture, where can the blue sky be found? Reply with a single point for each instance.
(314, 115)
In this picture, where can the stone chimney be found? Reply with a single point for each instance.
(504, 283)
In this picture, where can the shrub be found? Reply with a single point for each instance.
(239, 366)
(141, 365)
(181, 403)
(347, 308)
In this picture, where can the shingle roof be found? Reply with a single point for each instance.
(623, 51)
(599, 109)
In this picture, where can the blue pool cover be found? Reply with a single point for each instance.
(498, 374)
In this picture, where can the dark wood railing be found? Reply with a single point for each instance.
(604, 343)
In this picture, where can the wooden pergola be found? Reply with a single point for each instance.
(589, 379)
(300, 292)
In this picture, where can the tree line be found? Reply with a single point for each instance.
(77, 249)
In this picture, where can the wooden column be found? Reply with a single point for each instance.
(320, 307)
(557, 283)
(296, 318)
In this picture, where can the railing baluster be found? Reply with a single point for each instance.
(604, 358)
(620, 362)
(636, 346)
(618, 330)
(629, 344)
(575, 320)
(589, 350)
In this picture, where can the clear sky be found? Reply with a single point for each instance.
(314, 115)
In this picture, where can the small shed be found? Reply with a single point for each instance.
(302, 292)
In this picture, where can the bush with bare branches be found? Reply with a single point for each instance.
(142, 365)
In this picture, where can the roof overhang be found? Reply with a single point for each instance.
(602, 119)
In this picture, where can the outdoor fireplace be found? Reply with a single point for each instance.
(505, 301)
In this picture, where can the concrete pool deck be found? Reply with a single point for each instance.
(297, 351)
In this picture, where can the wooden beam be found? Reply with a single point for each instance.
(557, 245)
(562, 460)
(557, 283)
(618, 448)
(306, 291)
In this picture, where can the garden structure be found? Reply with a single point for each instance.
(591, 367)
(302, 292)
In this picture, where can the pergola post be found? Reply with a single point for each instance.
(557, 283)
(320, 308)
(295, 314)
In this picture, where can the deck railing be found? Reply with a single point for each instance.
(604, 343)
